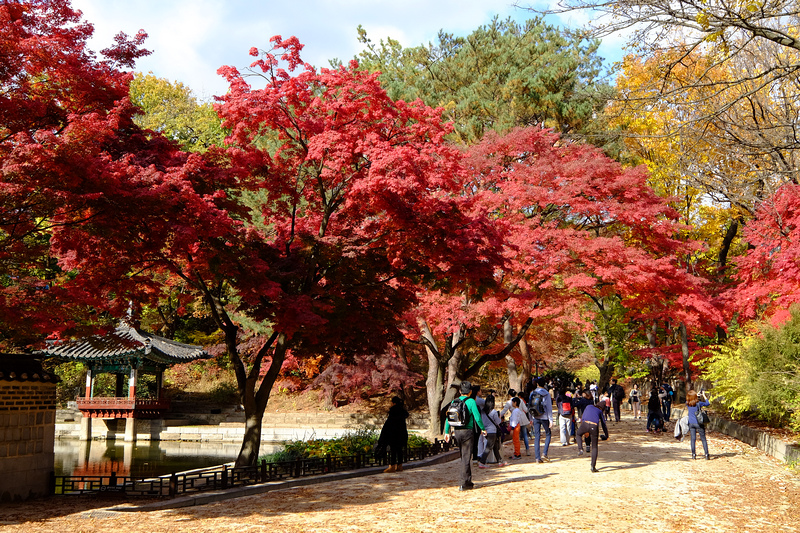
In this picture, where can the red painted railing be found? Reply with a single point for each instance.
(121, 407)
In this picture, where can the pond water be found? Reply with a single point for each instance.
(142, 458)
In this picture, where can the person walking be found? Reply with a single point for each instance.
(491, 421)
(693, 405)
(566, 415)
(464, 434)
(636, 405)
(517, 423)
(542, 411)
(654, 417)
(524, 431)
(589, 429)
(394, 435)
(666, 401)
(617, 394)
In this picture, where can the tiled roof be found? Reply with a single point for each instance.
(24, 367)
(126, 342)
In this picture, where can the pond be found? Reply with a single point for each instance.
(142, 458)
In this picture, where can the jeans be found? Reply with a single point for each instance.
(694, 429)
(666, 407)
(651, 419)
(537, 432)
(524, 432)
(564, 427)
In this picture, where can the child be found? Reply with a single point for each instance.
(516, 422)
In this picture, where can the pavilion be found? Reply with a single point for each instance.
(126, 352)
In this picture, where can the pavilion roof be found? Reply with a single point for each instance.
(126, 343)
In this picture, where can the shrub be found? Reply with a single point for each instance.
(761, 374)
(354, 441)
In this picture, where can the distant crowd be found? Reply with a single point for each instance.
(478, 425)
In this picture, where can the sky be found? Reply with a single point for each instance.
(191, 39)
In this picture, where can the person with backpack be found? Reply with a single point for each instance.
(566, 415)
(617, 393)
(541, 407)
(462, 418)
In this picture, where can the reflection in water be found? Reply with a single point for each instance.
(143, 458)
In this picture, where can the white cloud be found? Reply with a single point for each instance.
(191, 39)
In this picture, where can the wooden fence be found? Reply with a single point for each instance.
(225, 476)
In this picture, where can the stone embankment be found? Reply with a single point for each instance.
(229, 427)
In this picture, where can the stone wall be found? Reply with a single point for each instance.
(774, 447)
(27, 433)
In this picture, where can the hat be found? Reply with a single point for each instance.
(466, 387)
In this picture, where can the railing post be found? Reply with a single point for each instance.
(225, 477)
(112, 481)
(263, 470)
(328, 462)
(173, 485)
(297, 467)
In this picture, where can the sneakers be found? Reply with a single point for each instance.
(545, 459)
(467, 487)
(502, 464)
(539, 461)
(588, 449)
(482, 465)
(516, 457)
(594, 470)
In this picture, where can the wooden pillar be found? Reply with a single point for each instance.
(159, 383)
(132, 383)
(89, 383)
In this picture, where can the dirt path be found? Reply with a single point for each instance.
(646, 483)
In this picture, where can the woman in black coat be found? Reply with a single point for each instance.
(394, 435)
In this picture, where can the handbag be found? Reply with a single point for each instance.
(702, 417)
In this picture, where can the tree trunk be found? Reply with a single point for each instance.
(526, 362)
(255, 400)
(434, 384)
(514, 376)
(606, 373)
(687, 372)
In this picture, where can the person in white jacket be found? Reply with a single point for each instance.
(526, 424)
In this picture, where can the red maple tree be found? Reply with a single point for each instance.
(357, 200)
(585, 241)
(768, 274)
(62, 117)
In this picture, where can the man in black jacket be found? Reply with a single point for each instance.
(617, 394)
